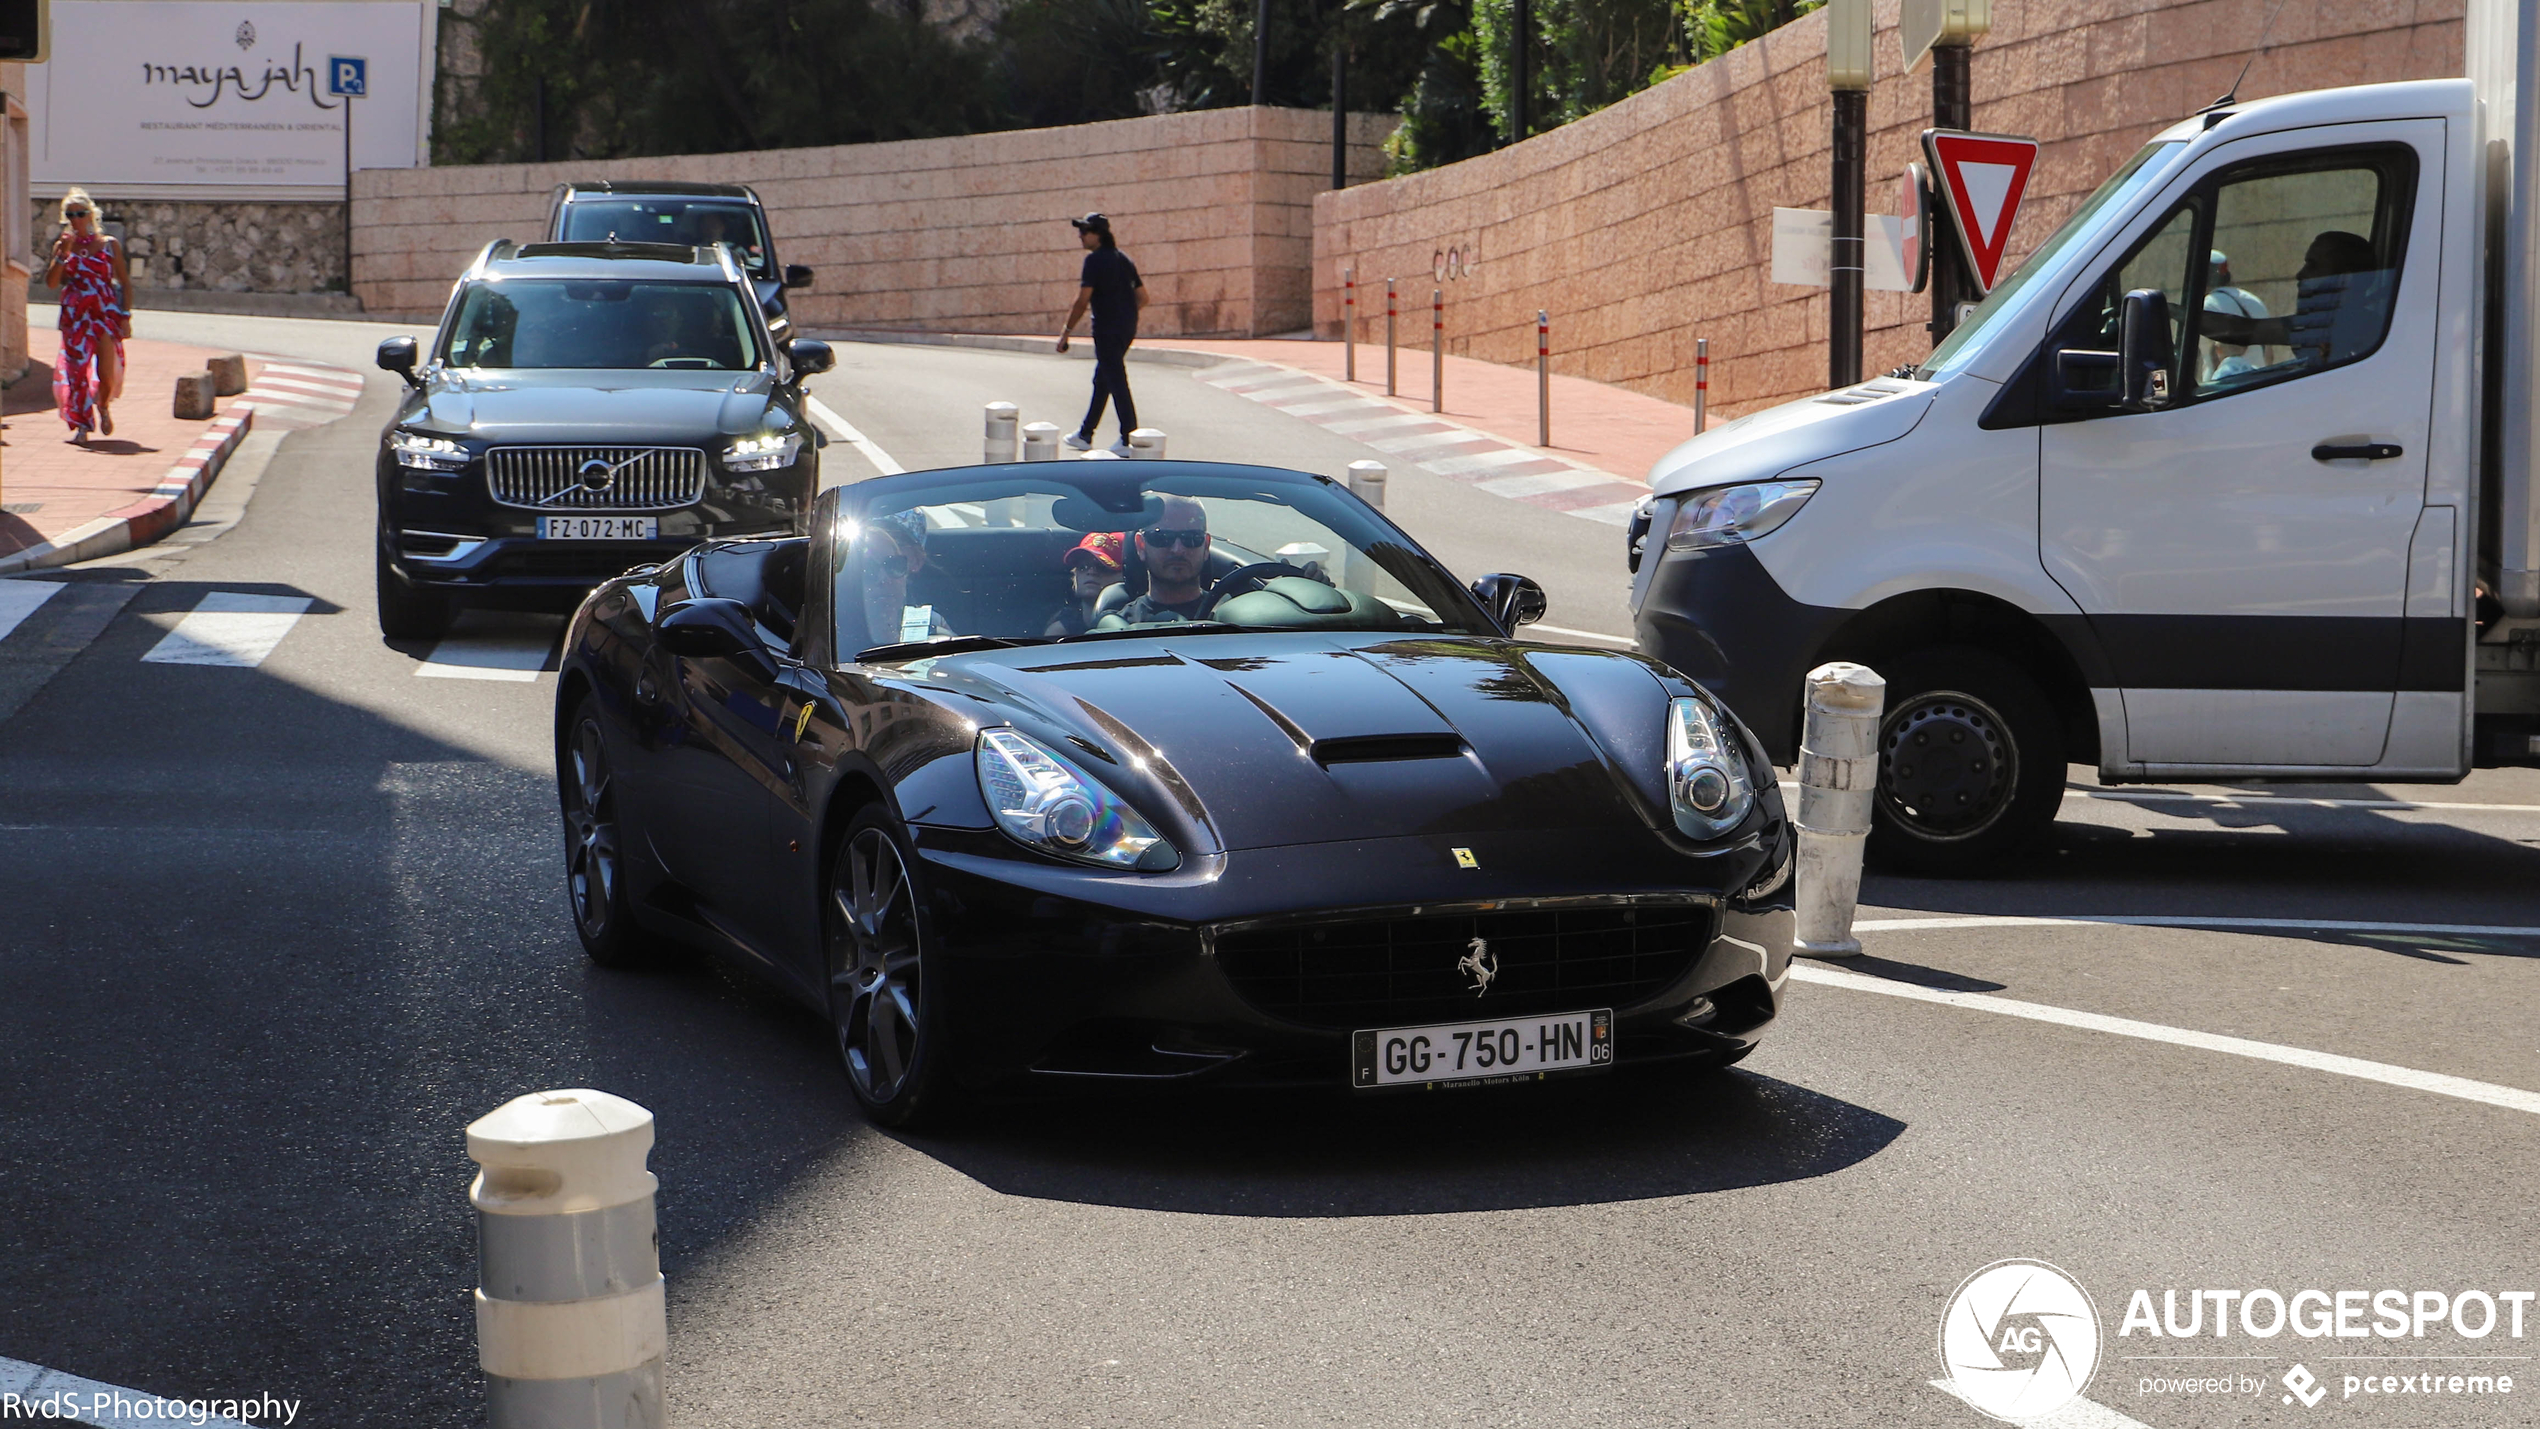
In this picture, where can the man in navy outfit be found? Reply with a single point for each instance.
(1116, 295)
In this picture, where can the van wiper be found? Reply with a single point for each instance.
(946, 645)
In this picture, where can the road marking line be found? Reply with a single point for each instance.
(1421, 441)
(1320, 409)
(2180, 920)
(2080, 1414)
(20, 599)
(1378, 424)
(82, 1396)
(229, 628)
(488, 657)
(1584, 634)
(845, 431)
(2442, 1084)
(1618, 513)
(2149, 797)
(1541, 485)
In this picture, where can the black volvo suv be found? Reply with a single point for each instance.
(585, 408)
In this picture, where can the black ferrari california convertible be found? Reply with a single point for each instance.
(1163, 771)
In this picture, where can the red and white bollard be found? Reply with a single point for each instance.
(1437, 349)
(1389, 345)
(1701, 382)
(1543, 378)
(1349, 324)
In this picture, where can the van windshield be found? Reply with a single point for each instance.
(2138, 174)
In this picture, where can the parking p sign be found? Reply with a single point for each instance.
(348, 76)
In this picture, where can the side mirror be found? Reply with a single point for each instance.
(2145, 351)
(716, 629)
(1511, 600)
(810, 355)
(398, 355)
(797, 276)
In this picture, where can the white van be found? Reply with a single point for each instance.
(2231, 480)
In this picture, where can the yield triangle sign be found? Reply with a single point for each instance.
(1981, 178)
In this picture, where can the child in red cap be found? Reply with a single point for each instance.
(1093, 564)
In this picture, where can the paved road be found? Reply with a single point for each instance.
(276, 930)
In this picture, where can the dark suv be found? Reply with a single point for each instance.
(664, 212)
(585, 408)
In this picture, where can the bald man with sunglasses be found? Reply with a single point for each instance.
(1175, 553)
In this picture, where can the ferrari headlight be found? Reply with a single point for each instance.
(1044, 801)
(764, 452)
(424, 453)
(1707, 787)
(1728, 515)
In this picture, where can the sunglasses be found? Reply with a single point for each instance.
(889, 567)
(75, 213)
(1167, 536)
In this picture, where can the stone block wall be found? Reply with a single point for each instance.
(1649, 224)
(962, 234)
(218, 247)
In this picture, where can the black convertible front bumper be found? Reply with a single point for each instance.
(1271, 958)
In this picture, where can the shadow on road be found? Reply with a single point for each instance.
(1583, 1143)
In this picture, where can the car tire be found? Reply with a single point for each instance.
(886, 992)
(597, 838)
(407, 611)
(1971, 764)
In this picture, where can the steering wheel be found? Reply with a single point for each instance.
(1257, 575)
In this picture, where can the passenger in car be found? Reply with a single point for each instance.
(893, 548)
(1092, 564)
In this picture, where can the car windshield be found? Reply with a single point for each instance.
(701, 223)
(564, 322)
(1088, 550)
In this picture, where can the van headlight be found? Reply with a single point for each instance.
(1728, 515)
(414, 449)
(1707, 787)
(765, 452)
(1044, 801)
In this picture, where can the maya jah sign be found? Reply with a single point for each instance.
(1981, 178)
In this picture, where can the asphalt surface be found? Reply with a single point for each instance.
(273, 935)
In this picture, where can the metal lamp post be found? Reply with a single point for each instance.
(1848, 72)
(1947, 30)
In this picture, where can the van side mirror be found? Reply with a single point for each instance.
(797, 276)
(712, 628)
(1511, 600)
(398, 355)
(2145, 351)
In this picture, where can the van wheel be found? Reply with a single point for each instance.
(1971, 764)
(406, 612)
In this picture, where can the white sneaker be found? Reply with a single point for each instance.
(1075, 443)
(1120, 448)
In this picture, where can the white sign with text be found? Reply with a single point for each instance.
(188, 98)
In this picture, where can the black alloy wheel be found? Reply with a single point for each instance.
(1971, 764)
(406, 611)
(882, 999)
(594, 843)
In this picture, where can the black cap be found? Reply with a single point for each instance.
(1092, 223)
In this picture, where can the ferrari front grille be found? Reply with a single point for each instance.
(596, 478)
(1389, 972)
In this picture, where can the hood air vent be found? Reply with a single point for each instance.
(1382, 748)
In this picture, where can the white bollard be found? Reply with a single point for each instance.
(1367, 482)
(1838, 775)
(1000, 446)
(1040, 441)
(570, 1320)
(1147, 444)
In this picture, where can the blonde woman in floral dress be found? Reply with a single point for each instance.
(89, 271)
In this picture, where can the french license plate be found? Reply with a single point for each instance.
(1463, 1054)
(597, 528)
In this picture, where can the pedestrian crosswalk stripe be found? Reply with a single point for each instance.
(230, 628)
(518, 657)
(20, 599)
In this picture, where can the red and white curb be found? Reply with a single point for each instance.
(294, 393)
(154, 515)
(1433, 443)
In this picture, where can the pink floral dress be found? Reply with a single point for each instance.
(93, 317)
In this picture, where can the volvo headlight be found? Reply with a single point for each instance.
(424, 453)
(1044, 801)
(1727, 515)
(764, 452)
(1707, 787)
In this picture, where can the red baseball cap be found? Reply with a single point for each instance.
(1103, 546)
